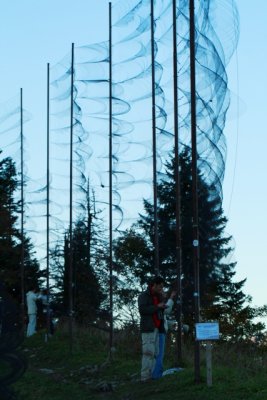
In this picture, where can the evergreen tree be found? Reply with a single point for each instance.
(234, 311)
(87, 290)
(134, 249)
(88, 268)
(10, 236)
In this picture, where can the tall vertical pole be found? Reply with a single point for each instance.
(194, 183)
(71, 191)
(89, 225)
(48, 201)
(154, 145)
(178, 246)
(110, 189)
(22, 266)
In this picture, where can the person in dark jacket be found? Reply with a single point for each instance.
(151, 310)
(163, 329)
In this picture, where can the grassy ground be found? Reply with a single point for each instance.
(54, 374)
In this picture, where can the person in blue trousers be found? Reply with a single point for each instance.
(163, 329)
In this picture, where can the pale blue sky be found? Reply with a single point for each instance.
(245, 186)
(32, 35)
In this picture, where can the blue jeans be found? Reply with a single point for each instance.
(158, 369)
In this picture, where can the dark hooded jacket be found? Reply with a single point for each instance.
(146, 309)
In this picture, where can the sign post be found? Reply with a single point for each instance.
(208, 331)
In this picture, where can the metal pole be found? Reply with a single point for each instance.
(89, 225)
(47, 202)
(71, 188)
(110, 189)
(154, 146)
(22, 266)
(177, 191)
(194, 184)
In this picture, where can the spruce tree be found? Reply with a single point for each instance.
(134, 249)
(10, 236)
(87, 292)
(88, 269)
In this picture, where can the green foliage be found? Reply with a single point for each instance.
(221, 298)
(87, 292)
(88, 270)
(10, 236)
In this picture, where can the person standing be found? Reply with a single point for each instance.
(151, 317)
(163, 329)
(32, 297)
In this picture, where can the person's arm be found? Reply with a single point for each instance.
(170, 303)
(169, 306)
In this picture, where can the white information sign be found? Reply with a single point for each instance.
(207, 331)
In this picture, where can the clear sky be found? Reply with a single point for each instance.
(33, 34)
(245, 192)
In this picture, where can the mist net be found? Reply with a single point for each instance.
(216, 35)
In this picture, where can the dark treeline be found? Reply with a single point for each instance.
(222, 297)
(10, 236)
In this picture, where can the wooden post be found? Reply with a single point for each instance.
(207, 331)
(209, 363)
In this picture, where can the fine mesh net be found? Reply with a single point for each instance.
(216, 35)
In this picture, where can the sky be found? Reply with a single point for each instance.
(245, 191)
(32, 35)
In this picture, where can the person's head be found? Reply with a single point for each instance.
(156, 285)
